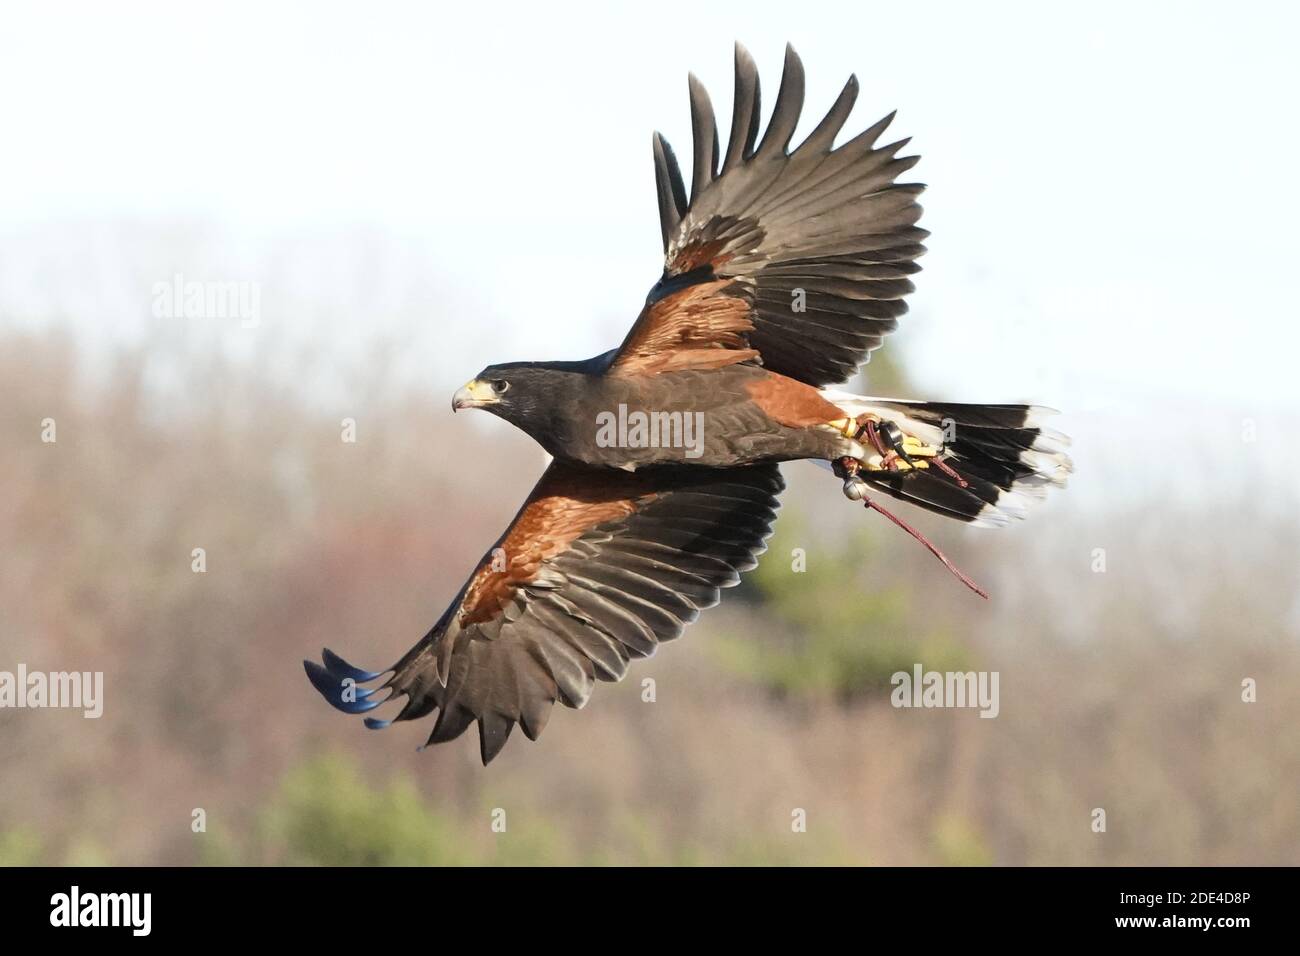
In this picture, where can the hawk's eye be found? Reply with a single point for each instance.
(500, 386)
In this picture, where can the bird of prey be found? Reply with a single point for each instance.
(783, 268)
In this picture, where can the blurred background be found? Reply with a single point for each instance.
(414, 192)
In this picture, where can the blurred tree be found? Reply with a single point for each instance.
(840, 633)
(325, 814)
(21, 847)
(957, 842)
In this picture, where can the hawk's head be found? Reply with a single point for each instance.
(536, 397)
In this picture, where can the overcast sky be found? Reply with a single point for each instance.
(1112, 187)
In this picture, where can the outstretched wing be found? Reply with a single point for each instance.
(799, 259)
(598, 568)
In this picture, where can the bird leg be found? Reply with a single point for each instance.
(893, 449)
(888, 457)
(893, 446)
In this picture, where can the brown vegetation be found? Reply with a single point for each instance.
(1119, 690)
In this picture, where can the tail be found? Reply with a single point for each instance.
(982, 464)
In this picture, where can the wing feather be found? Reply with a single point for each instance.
(600, 568)
(813, 246)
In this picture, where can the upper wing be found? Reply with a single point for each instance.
(597, 568)
(801, 257)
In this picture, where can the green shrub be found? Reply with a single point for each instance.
(21, 847)
(325, 814)
(839, 634)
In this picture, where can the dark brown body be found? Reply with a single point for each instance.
(728, 416)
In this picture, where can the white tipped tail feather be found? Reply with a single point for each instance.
(993, 462)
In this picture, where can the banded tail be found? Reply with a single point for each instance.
(993, 462)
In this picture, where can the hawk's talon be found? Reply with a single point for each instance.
(897, 451)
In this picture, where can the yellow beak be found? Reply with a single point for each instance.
(473, 394)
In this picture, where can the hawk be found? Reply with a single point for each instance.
(783, 269)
